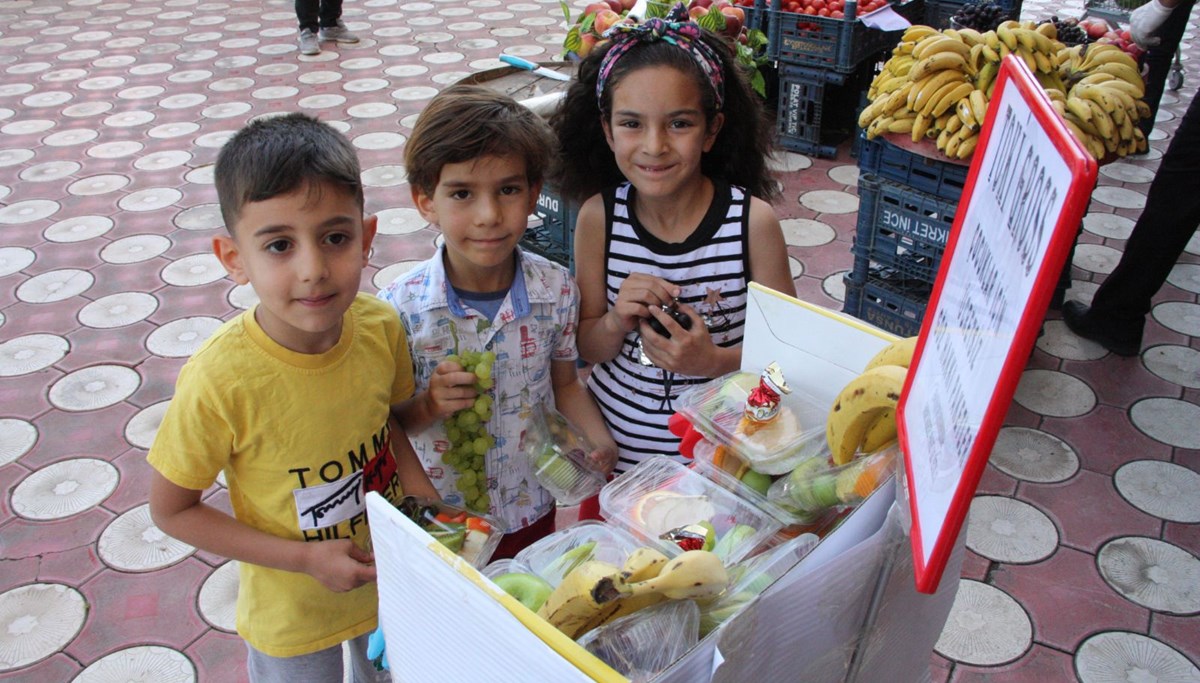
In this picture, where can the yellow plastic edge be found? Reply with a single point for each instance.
(840, 317)
(591, 666)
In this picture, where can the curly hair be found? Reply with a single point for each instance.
(584, 164)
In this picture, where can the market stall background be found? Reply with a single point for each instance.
(1083, 538)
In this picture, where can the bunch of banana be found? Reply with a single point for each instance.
(693, 575)
(575, 606)
(1103, 102)
(863, 416)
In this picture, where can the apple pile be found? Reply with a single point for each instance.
(1100, 31)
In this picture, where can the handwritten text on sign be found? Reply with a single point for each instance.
(1017, 199)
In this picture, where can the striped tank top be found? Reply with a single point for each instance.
(711, 267)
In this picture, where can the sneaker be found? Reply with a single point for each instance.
(338, 34)
(308, 42)
(1080, 321)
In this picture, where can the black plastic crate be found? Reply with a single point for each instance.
(943, 179)
(886, 306)
(817, 109)
(554, 238)
(839, 45)
(901, 231)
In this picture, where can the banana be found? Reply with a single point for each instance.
(1143, 109)
(953, 143)
(923, 44)
(881, 432)
(643, 564)
(1140, 142)
(1044, 65)
(925, 90)
(943, 44)
(1123, 72)
(968, 117)
(1026, 56)
(1134, 90)
(899, 353)
(1079, 108)
(1097, 94)
(967, 146)
(1101, 53)
(1101, 120)
(953, 97)
(900, 125)
(916, 32)
(979, 105)
(953, 124)
(693, 575)
(1048, 29)
(576, 606)
(970, 36)
(1007, 38)
(944, 137)
(1095, 78)
(1025, 38)
(937, 62)
(992, 41)
(991, 54)
(987, 76)
(920, 127)
(853, 409)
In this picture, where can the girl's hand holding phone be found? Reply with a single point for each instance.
(638, 294)
(688, 351)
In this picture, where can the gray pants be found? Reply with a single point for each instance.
(324, 666)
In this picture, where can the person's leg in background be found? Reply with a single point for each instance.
(1117, 315)
(332, 27)
(308, 16)
(1159, 59)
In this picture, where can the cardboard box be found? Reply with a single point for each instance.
(848, 611)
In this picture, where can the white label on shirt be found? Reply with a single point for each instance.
(329, 504)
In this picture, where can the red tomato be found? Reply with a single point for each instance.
(810, 11)
(818, 4)
(824, 12)
(837, 14)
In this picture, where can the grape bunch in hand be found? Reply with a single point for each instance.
(467, 432)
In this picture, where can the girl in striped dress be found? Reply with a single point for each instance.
(665, 138)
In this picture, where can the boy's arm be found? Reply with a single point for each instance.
(179, 512)
(602, 331)
(573, 400)
(411, 473)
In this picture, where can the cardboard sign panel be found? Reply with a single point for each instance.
(1026, 192)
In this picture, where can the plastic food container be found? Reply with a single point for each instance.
(553, 556)
(642, 644)
(750, 577)
(557, 452)
(716, 409)
(468, 534)
(504, 566)
(660, 496)
(817, 485)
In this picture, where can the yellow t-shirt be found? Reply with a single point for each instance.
(300, 437)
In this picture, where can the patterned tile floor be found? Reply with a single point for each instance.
(1083, 539)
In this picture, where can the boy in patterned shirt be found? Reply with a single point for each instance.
(475, 163)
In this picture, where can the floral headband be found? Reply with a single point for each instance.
(675, 29)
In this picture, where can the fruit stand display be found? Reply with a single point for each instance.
(825, 54)
(689, 580)
(926, 108)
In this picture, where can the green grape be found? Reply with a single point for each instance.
(468, 418)
(454, 434)
(487, 357)
(467, 478)
(481, 445)
(483, 502)
(485, 384)
(483, 371)
(453, 358)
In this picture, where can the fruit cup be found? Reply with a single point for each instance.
(553, 557)
(817, 485)
(468, 534)
(661, 496)
(557, 453)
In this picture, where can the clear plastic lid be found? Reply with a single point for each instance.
(557, 452)
(817, 485)
(641, 645)
(717, 409)
(553, 556)
(660, 496)
(725, 474)
(503, 566)
(470, 535)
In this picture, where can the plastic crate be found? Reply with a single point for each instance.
(756, 15)
(881, 158)
(887, 306)
(817, 109)
(840, 45)
(553, 236)
(938, 12)
(900, 231)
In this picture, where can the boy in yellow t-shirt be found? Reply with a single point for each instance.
(291, 400)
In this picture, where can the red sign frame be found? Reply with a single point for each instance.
(1014, 74)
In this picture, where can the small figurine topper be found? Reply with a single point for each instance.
(762, 405)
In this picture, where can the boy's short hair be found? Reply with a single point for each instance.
(467, 122)
(278, 155)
